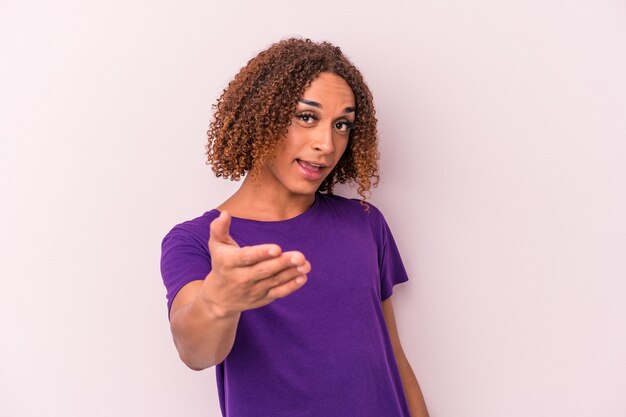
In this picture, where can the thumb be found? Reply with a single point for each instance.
(219, 231)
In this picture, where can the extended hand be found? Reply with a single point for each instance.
(248, 277)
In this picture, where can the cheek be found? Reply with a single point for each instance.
(292, 140)
(281, 153)
(341, 147)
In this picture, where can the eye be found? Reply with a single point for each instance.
(344, 126)
(307, 118)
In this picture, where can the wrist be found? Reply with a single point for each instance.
(211, 308)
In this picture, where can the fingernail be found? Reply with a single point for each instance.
(301, 268)
(300, 280)
(294, 260)
(273, 251)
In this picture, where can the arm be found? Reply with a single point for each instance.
(202, 337)
(205, 313)
(417, 405)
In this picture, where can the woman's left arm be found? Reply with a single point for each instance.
(417, 405)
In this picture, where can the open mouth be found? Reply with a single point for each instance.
(310, 170)
(310, 166)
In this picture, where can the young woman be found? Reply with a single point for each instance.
(285, 287)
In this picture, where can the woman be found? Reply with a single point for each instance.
(285, 287)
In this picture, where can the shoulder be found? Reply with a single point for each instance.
(196, 229)
(354, 209)
(351, 204)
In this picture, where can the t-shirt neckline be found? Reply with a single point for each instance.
(300, 217)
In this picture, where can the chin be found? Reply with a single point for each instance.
(305, 189)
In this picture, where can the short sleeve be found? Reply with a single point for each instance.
(392, 269)
(184, 258)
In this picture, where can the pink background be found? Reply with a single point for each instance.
(503, 130)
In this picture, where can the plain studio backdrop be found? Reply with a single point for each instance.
(502, 127)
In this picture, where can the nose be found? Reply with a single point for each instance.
(323, 140)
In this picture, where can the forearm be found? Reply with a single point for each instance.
(414, 396)
(202, 337)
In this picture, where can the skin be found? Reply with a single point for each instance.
(316, 134)
(205, 313)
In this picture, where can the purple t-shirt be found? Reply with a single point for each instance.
(324, 350)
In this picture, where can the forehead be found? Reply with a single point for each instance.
(329, 87)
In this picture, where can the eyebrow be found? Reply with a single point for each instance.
(319, 106)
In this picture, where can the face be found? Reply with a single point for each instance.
(315, 140)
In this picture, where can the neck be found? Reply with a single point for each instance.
(256, 202)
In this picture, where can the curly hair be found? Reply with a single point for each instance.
(255, 109)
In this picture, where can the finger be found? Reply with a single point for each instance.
(268, 268)
(282, 277)
(219, 232)
(287, 288)
(252, 255)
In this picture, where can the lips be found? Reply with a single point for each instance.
(311, 170)
(311, 165)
